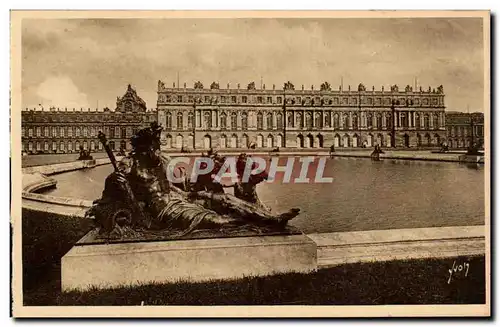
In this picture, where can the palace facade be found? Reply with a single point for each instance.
(64, 130)
(463, 128)
(200, 117)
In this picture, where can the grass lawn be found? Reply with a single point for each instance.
(47, 238)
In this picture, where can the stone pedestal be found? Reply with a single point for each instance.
(112, 265)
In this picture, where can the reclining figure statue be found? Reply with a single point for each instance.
(138, 196)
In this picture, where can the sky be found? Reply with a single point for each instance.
(88, 63)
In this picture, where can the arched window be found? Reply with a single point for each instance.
(290, 122)
(223, 120)
(435, 121)
(85, 131)
(168, 120)
(46, 132)
(379, 121)
(426, 121)
(61, 146)
(369, 120)
(30, 132)
(417, 121)
(244, 121)
(179, 121)
(309, 122)
(54, 131)
(355, 121)
(279, 120)
(345, 121)
(38, 132)
(190, 120)
(77, 132)
(328, 119)
(319, 120)
(336, 121)
(208, 119)
(269, 121)
(260, 121)
(124, 133)
(300, 123)
(234, 121)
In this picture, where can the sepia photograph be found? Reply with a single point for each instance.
(250, 163)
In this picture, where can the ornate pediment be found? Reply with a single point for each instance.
(130, 101)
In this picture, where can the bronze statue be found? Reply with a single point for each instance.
(139, 197)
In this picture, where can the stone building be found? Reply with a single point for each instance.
(462, 128)
(59, 130)
(225, 117)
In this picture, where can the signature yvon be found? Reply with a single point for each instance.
(458, 269)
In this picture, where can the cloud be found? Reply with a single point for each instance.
(60, 91)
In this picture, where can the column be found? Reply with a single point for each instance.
(414, 119)
(313, 114)
(409, 119)
(350, 120)
(395, 120)
(431, 120)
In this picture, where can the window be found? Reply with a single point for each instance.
(30, 146)
(70, 131)
(129, 131)
(370, 101)
(223, 120)
(379, 121)
(318, 120)
(299, 100)
(279, 100)
(207, 98)
(92, 131)
(179, 120)
(223, 99)
(369, 120)
(299, 120)
(85, 145)
(30, 132)
(190, 99)
(38, 131)
(269, 121)
(179, 98)
(92, 145)
(46, 146)
(260, 121)
(208, 119)
(279, 120)
(22, 131)
(123, 132)
(234, 120)
(99, 145)
(61, 146)
(259, 99)
(354, 101)
(336, 100)
(269, 99)
(77, 132)
(190, 120)
(46, 132)
(38, 146)
(244, 121)
(328, 119)
(168, 120)
(117, 132)
(54, 131)
(309, 120)
(244, 99)
(233, 99)
(345, 101)
(85, 131)
(169, 99)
